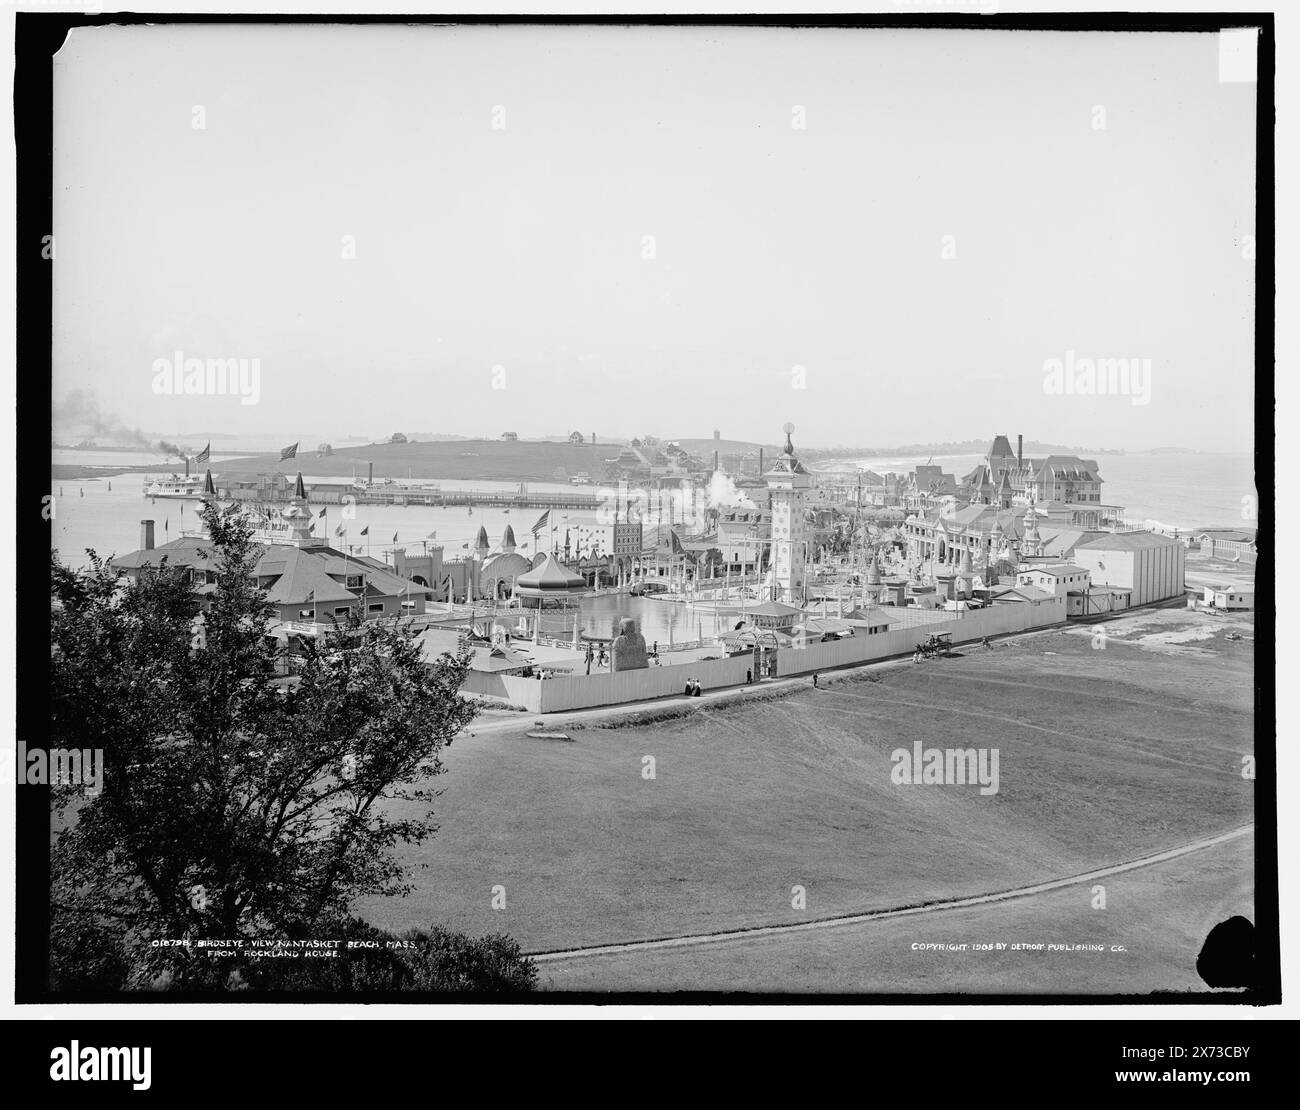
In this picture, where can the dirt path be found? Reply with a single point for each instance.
(693, 939)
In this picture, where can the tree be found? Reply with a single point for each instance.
(231, 807)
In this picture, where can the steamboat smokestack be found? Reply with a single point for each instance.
(370, 480)
(146, 535)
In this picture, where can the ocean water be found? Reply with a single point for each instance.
(105, 514)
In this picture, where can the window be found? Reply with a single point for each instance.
(377, 608)
(353, 582)
(341, 610)
(304, 614)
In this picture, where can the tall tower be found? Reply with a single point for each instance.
(788, 484)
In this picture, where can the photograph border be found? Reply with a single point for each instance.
(38, 37)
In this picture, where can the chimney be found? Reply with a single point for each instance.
(760, 462)
(146, 535)
(1020, 450)
(715, 459)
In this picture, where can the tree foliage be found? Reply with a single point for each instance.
(232, 805)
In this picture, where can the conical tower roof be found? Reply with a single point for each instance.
(299, 490)
(209, 488)
(481, 543)
(873, 571)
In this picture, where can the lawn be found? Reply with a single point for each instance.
(1159, 916)
(1105, 754)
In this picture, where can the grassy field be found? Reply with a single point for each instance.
(1159, 916)
(456, 459)
(1106, 754)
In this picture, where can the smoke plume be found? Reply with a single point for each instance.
(79, 413)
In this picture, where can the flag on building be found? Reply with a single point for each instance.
(204, 455)
(290, 452)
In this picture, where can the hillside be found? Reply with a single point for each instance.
(488, 459)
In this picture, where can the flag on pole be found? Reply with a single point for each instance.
(366, 530)
(339, 530)
(290, 452)
(204, 455)
(394, 537)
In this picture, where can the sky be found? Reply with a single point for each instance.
(884, 237)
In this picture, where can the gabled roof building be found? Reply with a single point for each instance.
(308, 582)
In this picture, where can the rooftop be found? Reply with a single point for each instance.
(551, 576)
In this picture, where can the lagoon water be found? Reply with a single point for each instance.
(90, 515)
